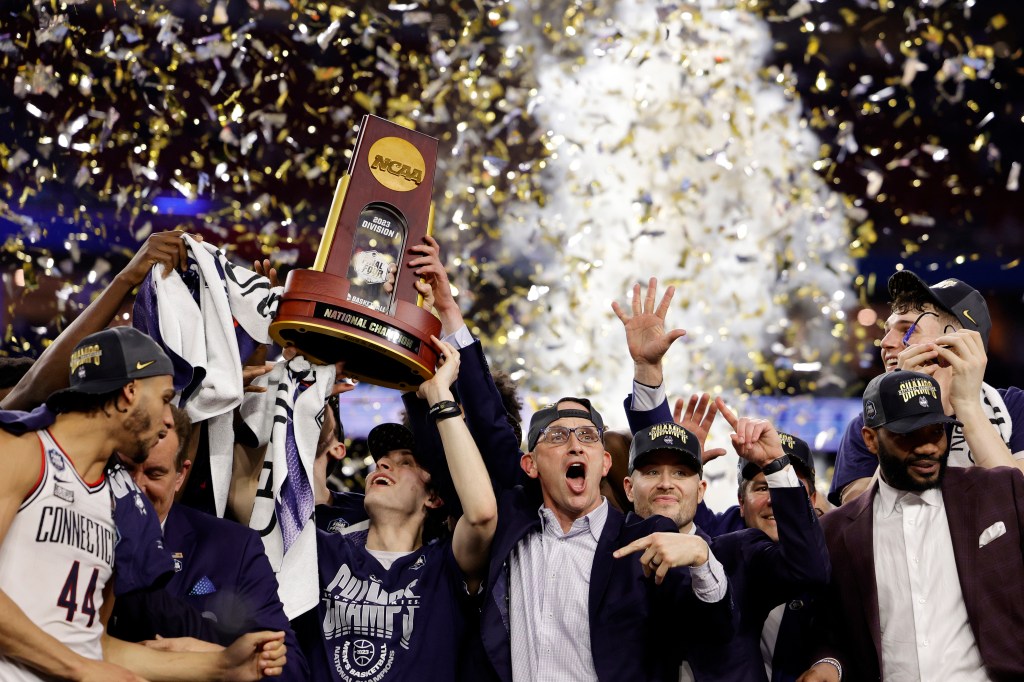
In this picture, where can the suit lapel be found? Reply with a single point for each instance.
(603, 560)
(959, 497)
(180, 541)
(859, 538)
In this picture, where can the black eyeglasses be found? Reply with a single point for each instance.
(913, 327)
(557, 435)
(948, 329)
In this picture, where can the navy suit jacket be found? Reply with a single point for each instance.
(762, 574)
(222, 573)
(991, 577)
(636, 627)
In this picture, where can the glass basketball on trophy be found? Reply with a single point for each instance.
(341, 308)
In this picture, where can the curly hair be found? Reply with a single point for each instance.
(916, 300)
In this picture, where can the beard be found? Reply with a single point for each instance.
(681, 516)
(896, 472)
(135, 425)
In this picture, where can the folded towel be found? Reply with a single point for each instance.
(287, 419)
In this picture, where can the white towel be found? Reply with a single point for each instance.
(288, 422)
(995, 409)
(204, 334)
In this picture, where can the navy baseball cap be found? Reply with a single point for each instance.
(665, 436)
(107, 360)
(543, 418)
(385, 438)
(799, 456)
(952, 295)
(903, 401)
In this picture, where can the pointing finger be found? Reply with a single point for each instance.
(726, 412)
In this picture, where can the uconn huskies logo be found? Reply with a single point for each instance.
(362, 661)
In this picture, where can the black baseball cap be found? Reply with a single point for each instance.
(385, 438)
(665, 436)
(543, 417)
(107, 360)
(799, 453)
(903, 401)
(952, 295)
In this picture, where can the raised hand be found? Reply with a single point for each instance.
(755, 440)
(664, 551)
(438, 387)
(424, 290)
(342, 384)
(646, 337)
(253, 372)
(428, 266)
(700, 414)
(263, 268)
(964, 352)
(166, 248)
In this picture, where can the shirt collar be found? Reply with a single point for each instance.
(594, 521)
(889, 497)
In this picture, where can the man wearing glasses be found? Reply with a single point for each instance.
(560, 606)
(942, 331)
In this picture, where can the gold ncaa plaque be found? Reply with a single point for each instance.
(341, 309)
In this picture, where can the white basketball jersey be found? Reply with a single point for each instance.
(58, 555)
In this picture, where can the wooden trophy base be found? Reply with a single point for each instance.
(392, 351)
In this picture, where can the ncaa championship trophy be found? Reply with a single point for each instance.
(340, 309)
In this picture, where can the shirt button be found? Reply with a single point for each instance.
(921, 600)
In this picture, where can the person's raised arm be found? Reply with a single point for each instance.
(646, 337)
(471, 542)
(799, 559)
(49, 373)
(486, 416)
(964, 352)
(435, 286)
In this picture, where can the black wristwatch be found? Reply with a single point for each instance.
(775, 466)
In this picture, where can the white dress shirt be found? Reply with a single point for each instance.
(549, 575)
(925, 632)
